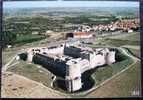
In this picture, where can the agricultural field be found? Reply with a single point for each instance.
(129, 41)
(22, 39)
(134, 36)
(120, 40)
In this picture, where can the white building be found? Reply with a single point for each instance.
(130, 31)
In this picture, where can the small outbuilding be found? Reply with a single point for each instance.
(79, 35)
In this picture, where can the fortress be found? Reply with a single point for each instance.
(72, 59)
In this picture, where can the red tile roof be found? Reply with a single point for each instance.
(81, 33)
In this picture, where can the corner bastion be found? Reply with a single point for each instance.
(73, 60)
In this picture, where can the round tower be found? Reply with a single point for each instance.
(73, 77)
(29, 55)
(110, 58)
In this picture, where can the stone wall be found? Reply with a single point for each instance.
(73, 62)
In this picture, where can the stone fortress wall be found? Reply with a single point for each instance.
(72, 60)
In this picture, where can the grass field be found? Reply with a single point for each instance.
(121, 86)
(118, 42)
(103, 73)
(106, 72)
(32, 72)
(135, 36)
(128, 39)
(135, 52)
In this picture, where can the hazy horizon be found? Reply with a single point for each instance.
(46, 4)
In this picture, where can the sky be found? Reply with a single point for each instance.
(32, 4)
